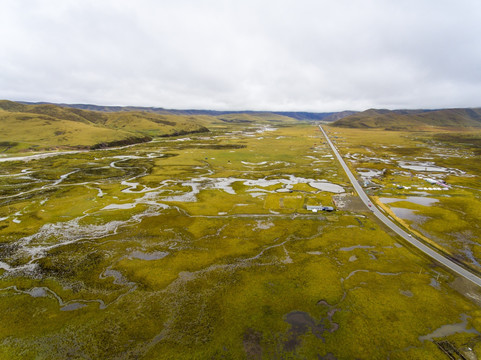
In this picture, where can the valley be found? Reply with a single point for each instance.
(201, 245)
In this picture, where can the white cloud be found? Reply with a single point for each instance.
(279, 55)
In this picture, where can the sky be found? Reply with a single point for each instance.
(282, 55)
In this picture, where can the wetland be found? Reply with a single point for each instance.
(202, 247)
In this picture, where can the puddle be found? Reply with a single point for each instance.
(406, 293)
(117, 275)
(326, 186)
(419, 200)
(37, 292)
(257, 194)
(120, 206)
(73, 306)
(408, 214)
(450, 329)
(422, 166)
(368, 173)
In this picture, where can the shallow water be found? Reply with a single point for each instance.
(450, 329)
(368, 173)
(325, 186)
(173, 265)
(39, 156)
(422, 166)
(72, 307)
(120, 206)
(420, 200)
(408, 214)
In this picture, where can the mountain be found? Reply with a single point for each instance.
(298, 115)
(412, 119)
(47, 126)
(339, 115)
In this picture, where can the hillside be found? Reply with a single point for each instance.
(298, 115)
(412, 119)
(339, 115)
(48, 126)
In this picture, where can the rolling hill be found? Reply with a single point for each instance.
(48, 126)
(339, 115)
(412, 119)
(298, 115)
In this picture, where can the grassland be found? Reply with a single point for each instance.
(407, 120)
(199, 246)
(50, 127)
(428, 180)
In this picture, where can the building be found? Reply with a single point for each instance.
(319, 208)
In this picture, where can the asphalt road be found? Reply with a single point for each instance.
(405, 235)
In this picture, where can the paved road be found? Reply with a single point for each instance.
(408, 237)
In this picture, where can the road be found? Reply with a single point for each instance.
(405, 235)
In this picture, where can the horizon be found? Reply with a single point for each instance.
(310, 56)
(234, 110)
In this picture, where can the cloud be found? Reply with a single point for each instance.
(282, 55)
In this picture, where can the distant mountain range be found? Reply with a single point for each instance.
(28, 126)
(412, 119)
(39, 126)
(309, 116)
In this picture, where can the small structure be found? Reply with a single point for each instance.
(314, 208)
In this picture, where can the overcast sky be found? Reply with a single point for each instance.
(304, 55)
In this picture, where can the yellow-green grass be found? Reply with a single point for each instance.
(40, 127)
(452, 222)
(220, 285)
(46, 132)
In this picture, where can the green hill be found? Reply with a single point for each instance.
(298, 115)
(47, 126)
(412, 119)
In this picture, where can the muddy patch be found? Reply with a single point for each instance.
(263, 225)
(348, 202)
(252, 344)
(301, 323)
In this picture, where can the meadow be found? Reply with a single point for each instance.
(200, 246)
(427, 180)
